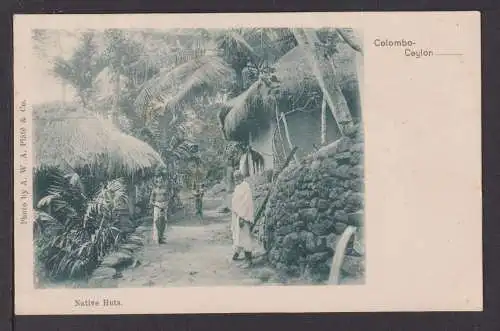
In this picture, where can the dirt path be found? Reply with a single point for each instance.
(196, 254)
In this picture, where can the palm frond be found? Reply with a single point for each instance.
(241, 43)
(244, 107)
(351, 38)
(46, 223)
(47, 200)
(65, 71)
(270, 43)
(183, 82)
(76, 182)
(209, 77)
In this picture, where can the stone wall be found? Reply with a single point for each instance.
(260, 185)
(109, 270)
(311, 205)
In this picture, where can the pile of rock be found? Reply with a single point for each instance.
(109, 270)
(311, 205)
(260, 185)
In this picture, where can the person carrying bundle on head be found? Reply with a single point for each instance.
(242, 219)
(159, 201)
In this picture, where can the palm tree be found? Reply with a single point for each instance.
(81, 69)
(49, 46)
(225, 59)
(201, 73)
(330, 87)
(250, 50)
(120, 54)
(73, 231)
(220, 65)
(63, 85)
(239, 61)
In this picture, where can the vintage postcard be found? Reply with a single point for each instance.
(230, 163)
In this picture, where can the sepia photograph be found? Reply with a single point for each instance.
(247, 163)
(188, 157)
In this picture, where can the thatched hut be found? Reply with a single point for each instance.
(297, 116)
(253, 115)
(77, 140)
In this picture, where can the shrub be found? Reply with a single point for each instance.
(74, 232)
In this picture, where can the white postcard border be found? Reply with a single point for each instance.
(423, 228)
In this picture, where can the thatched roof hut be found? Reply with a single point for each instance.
(246, 110)
(296, 84)
(77, 139)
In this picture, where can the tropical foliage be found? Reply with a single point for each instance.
(81, 69)
(181, 99)
(75, 229)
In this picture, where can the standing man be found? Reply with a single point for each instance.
(159, 202)
(242, 219)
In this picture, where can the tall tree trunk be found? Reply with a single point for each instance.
(239, 87)
(323, 122)
(360, 76)
(239, 81)
(288, 138)
(63, 82)
(330, 87)
(116, 98)
(229, 176)
(63, 92)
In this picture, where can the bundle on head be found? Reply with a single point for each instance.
(251, 163)
(238, 176)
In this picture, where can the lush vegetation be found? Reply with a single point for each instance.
(75, 227)
(173, 90)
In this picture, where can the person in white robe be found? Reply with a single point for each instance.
(242, 219)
